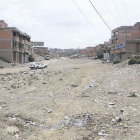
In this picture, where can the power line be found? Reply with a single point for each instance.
(107, 9)
(86, 18)
(117, 10)
(100, 15)
(125, 10)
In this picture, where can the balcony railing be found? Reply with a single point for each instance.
(16, 48)
(117, 51)
(16, 38)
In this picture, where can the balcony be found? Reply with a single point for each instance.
(16, 49)
(117, 51)
(21, 47)
(26, 49)
(123, 50)
(27, 42)
(16, 38)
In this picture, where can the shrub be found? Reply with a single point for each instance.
(134, 61)
(138, 61)
(100, 55)
(116, 61)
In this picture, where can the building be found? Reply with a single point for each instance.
(15, 45)
(91, 51)
(40, 49)
(125, 41)
(38, 43)
(82, 52)
(135, 33)
(99, 47)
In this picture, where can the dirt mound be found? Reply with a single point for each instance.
(38, 57)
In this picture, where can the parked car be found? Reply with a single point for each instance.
(37, 65)
(47, 57)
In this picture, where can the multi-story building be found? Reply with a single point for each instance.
(99, 47)
(40, 49)
(15, 45)
(125, 41)
(135, 33)
(38, 43)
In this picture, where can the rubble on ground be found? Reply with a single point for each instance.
(93, 101)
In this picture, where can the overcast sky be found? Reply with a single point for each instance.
(60, 24)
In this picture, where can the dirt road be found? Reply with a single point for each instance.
(72, 99)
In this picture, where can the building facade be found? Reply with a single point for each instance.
(91, 51)
(82, 52)
(40, 49)
(15, 46)
(125, 41)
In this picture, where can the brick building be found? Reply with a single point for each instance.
(38, 43)
(91, 51)
(99, 47)
(40, 49)
(15, 46)
(135, 33)
(125, 41)
(82, 52)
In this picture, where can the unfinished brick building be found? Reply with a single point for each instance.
(91, 51)
(15, 46)
(125, 41)
(40, 49)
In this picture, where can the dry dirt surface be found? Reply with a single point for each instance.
(71, 99)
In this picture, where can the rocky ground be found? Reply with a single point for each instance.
(71, 99)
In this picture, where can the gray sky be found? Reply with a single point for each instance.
(60, 24)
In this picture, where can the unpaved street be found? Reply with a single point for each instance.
(71, 99)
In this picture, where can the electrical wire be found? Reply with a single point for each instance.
(87, 18)
(125, 10)
(109, 13)
(100, 15)
(116, 10)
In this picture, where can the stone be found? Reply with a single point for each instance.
(49, 111)
(102, 133)
(132, 95)
(111, 104)
(73, 85)
(116, 119)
